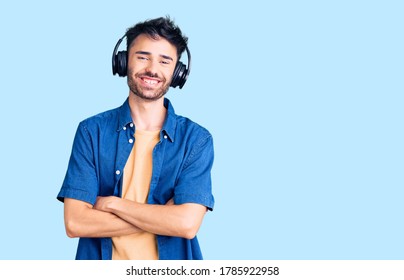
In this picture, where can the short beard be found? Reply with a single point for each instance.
(136, 90)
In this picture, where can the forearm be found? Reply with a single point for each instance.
(171, 220)
(81, 220)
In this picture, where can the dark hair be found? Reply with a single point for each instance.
(159, 28)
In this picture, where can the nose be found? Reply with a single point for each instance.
(152, 66)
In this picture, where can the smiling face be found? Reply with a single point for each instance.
(151, 64)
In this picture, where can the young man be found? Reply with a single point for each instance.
(138, 182)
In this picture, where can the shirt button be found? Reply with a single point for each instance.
(117, 172)
(124, 128)
(165, 136)
(131, 140)
(131, 124)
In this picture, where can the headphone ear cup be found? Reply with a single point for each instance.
(121, 63)
(179, 75)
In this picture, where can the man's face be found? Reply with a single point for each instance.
(151, 65)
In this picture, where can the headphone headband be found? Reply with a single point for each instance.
(120, 66)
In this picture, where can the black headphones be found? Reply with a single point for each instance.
(120, 66)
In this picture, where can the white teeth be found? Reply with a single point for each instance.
(150, 82)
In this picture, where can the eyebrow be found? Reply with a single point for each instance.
(161, 55)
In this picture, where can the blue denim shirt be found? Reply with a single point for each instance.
(182, 162)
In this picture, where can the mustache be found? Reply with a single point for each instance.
(149, 74)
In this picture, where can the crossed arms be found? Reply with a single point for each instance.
(113, 216)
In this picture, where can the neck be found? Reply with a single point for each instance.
(147, 115)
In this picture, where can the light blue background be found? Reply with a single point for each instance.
(304, 99)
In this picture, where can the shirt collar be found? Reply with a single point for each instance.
(124, 115)
(169, 125)
(170, 122)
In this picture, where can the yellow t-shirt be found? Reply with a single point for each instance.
(136, 184)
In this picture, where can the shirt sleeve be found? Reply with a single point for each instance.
(195, 184)
(81, 181)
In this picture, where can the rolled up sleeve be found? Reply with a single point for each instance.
(195, 183)
(81, 181)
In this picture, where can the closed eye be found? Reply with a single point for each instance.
(143, 55)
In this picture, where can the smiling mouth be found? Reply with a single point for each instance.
(150, 81)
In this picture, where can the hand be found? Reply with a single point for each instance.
(103, 202)
(170, 202)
